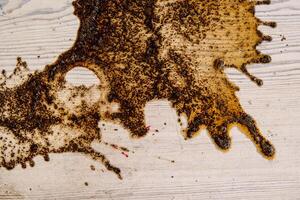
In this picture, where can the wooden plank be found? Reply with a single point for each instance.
(32, 28)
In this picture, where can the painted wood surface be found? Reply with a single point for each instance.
(40, 30)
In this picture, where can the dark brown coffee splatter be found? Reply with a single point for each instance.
(141, 50)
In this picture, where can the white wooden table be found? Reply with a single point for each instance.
(40, 30)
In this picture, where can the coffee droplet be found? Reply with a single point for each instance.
(140, 51)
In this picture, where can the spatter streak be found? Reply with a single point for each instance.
(141, 50)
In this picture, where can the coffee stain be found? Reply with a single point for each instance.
(141, 50)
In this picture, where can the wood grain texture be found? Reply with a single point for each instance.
(40, 30)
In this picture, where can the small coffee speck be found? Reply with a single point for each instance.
(92, 167)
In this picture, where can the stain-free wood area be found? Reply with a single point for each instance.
(40, 30)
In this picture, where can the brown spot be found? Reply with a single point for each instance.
(92, 167)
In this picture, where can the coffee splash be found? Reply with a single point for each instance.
(141, 50)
